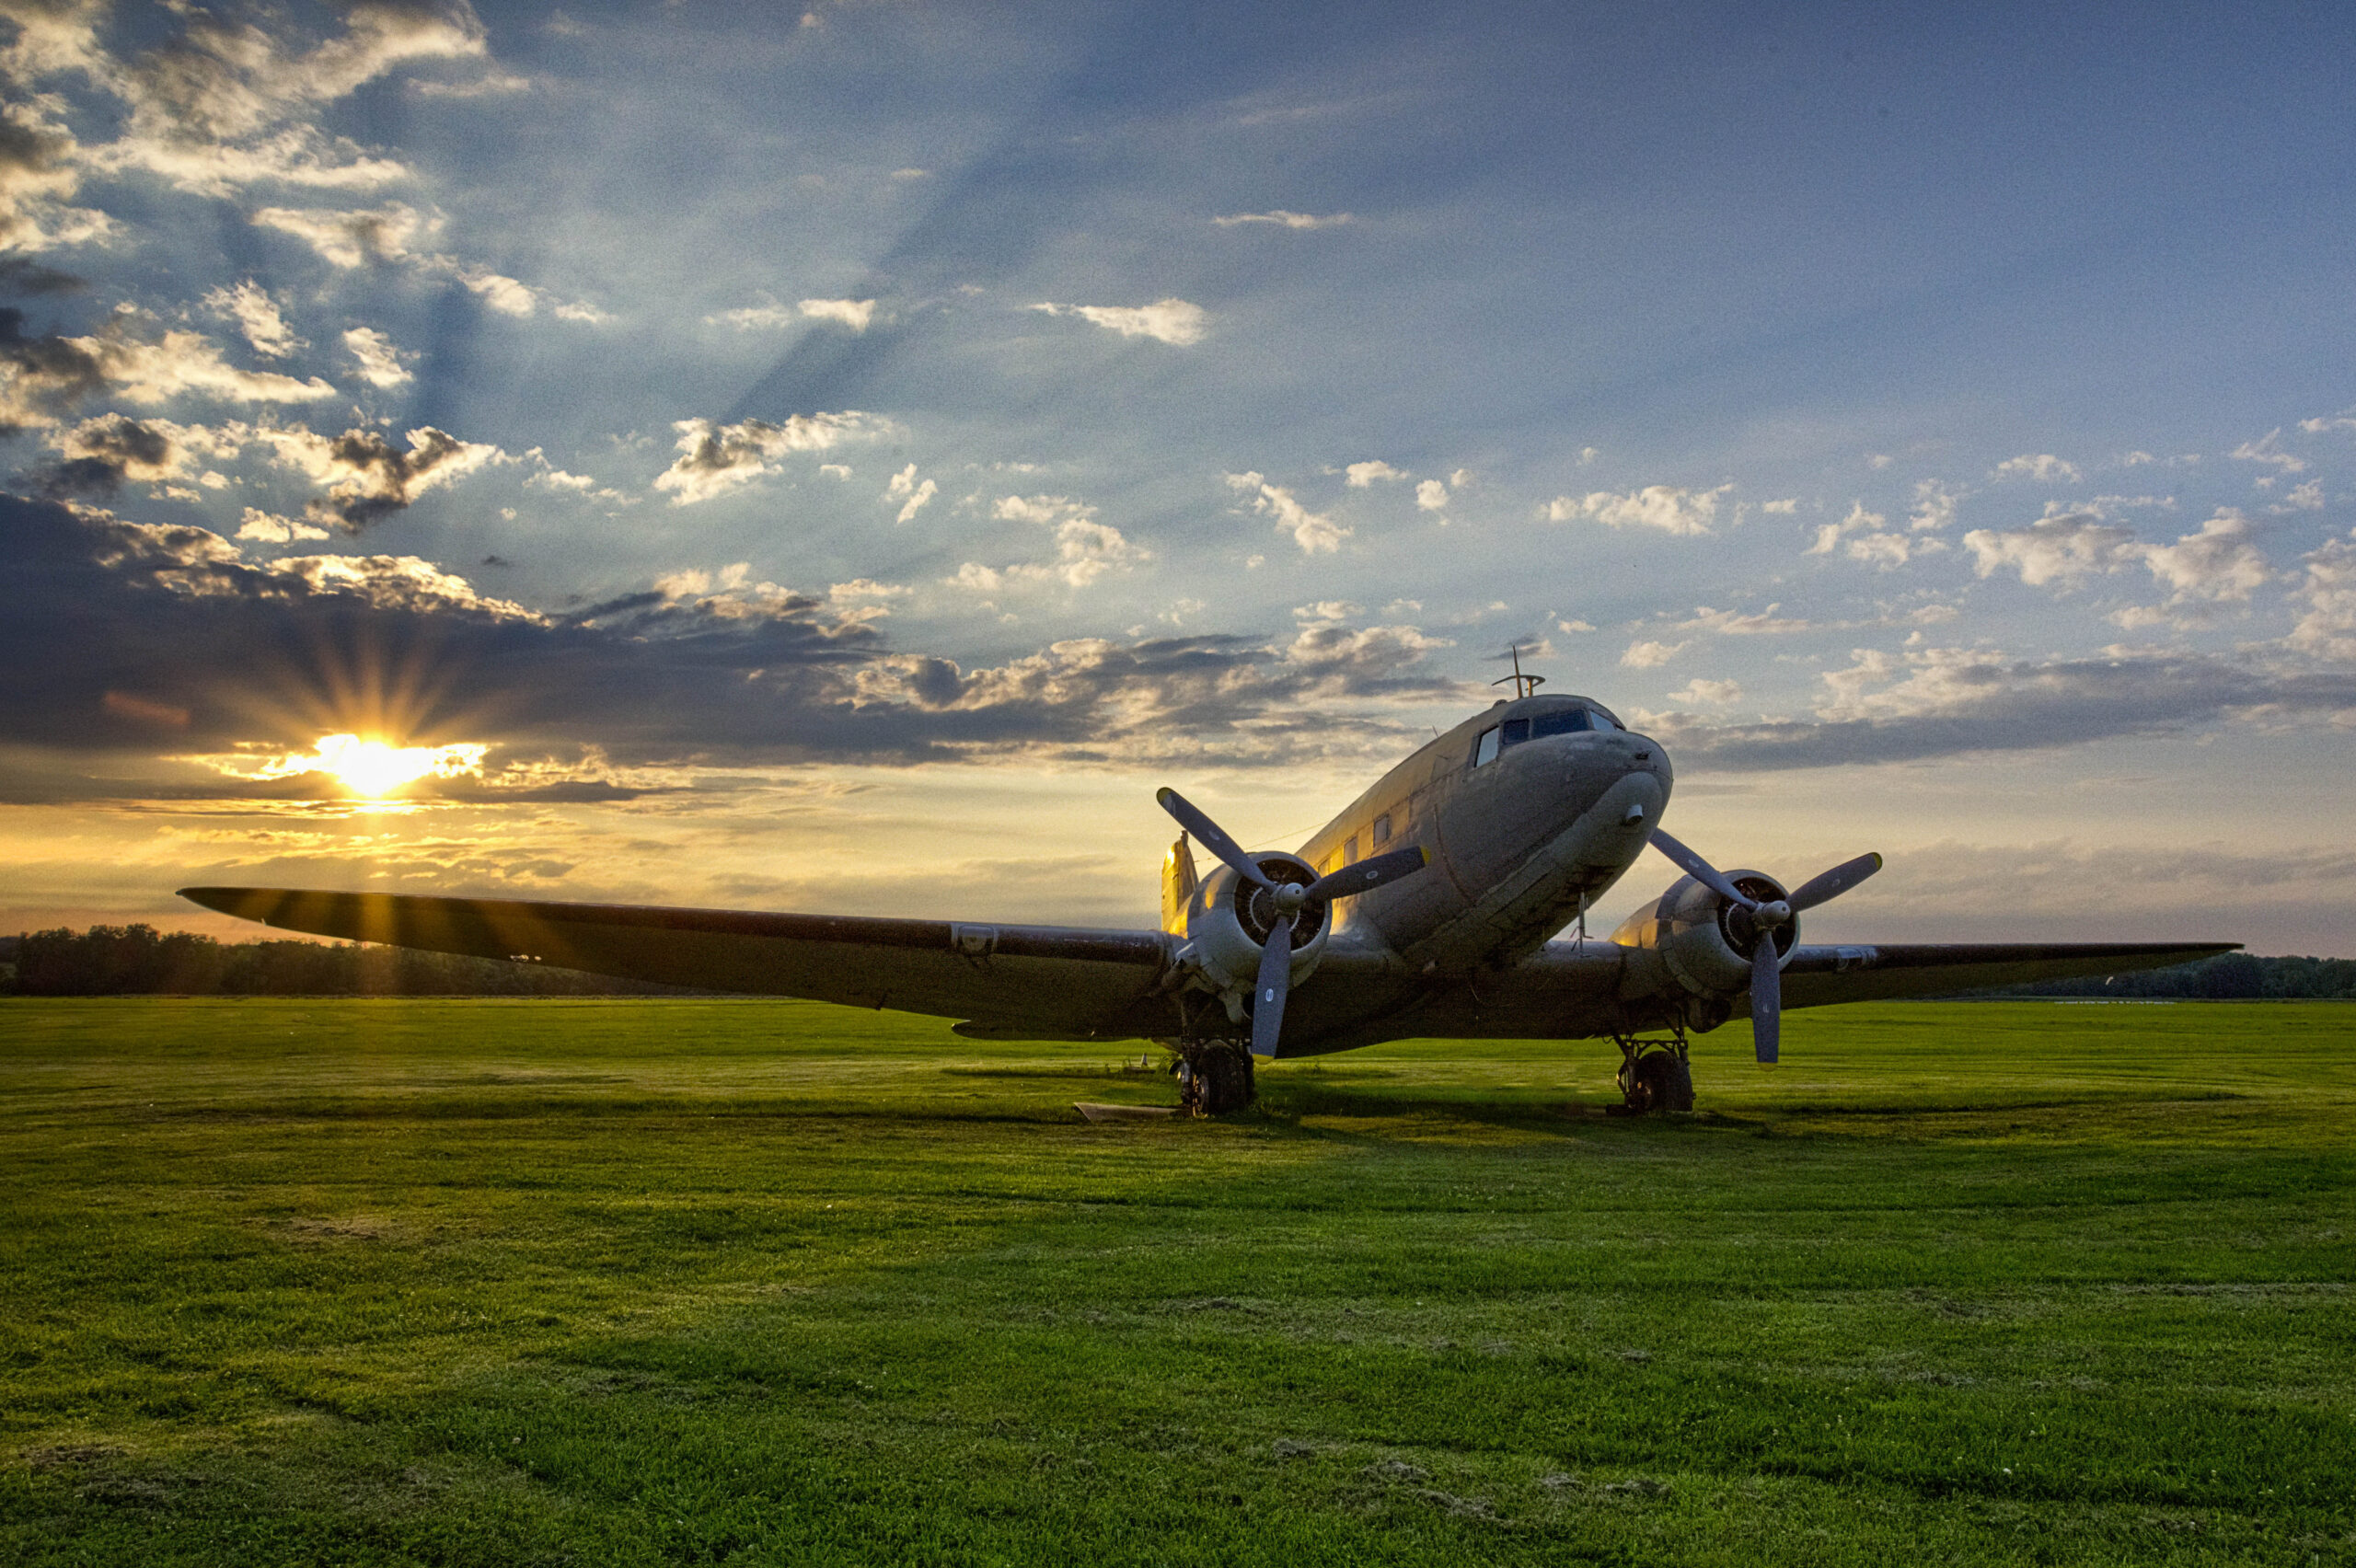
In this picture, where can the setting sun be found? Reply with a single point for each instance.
(372, 769)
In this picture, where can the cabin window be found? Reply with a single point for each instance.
(1562, 721)
(1485, 750)
(1350, 850)
(1382, 830)
(1514, 731)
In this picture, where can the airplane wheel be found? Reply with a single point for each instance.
(1662, 1083)
(1219, 1079)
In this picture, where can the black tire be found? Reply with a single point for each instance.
(1219, 1080)
(1663, 1083)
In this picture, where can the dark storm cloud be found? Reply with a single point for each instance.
(1991, 704)
(102, 452)
(37, 374)
(131, 639)
(21, 279)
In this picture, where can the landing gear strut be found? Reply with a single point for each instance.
(1654, 1074)
(1214, 1076)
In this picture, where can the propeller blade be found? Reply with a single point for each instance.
(1275, 984)
(1369, 873)
(1209, 834)
(1766, 997)
(1701, 870)
(1834, 882)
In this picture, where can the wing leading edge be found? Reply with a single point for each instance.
(1040, 982)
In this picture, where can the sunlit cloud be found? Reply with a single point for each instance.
(366, 767)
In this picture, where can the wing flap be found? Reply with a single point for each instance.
(1015, 976)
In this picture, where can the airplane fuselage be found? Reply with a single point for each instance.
(1528, 811)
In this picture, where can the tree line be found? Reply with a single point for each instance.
(115, 961)
(2228, 977)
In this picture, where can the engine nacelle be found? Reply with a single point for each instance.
(1704, 942)
(1228, 919)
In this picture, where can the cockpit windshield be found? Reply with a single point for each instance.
(1538, 726)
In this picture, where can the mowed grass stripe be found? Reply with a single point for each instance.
(688, 1281)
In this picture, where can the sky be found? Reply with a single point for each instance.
(843, 457)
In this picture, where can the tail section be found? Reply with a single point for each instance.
(1177, 886)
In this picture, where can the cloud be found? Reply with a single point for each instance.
(1689, 514)
(729, 674)
(2327, 627)
(389, 235)
(492, 84)
(716, 460)
(41, 379)
(223, 104)
(2303, 497)
(854, 313)
(1086, 550)
(40, 169)
(1731, 623)
(904, 488)
(378, 360)
(2268, 449)
(367, 478)
(2042, 466)
(271, 529)
(1279, 218)
(1868, 539)
(353, 238)
(1782, 508)
(1651, 655)
(257, 315)
(2065, 547)
(1934, 506)
(1708, 694)
(1945, 702)
(2218, 564)
(1165, 321)
(1312, 531)
(1431, 495)
(1362, 476)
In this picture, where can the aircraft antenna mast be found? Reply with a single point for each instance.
(1523, 686)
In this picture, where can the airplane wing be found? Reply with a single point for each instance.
(1025, 982)
(1816, 976)
(1576, 990)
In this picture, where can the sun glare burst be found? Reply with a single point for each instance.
(372, 769)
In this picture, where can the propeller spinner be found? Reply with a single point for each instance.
(1275, 980)
(1766, 963)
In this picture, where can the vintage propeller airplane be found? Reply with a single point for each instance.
(1427, 909)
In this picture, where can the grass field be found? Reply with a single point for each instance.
(559, 1281)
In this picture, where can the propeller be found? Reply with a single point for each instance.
(1274, 981)
(1766, 963)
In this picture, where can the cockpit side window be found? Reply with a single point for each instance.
(1485, 750)
(1601, 720)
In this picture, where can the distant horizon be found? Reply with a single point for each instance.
(842, 460)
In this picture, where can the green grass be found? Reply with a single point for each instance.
(490, 1282)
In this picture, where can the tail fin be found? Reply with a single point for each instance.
(1177, 886)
